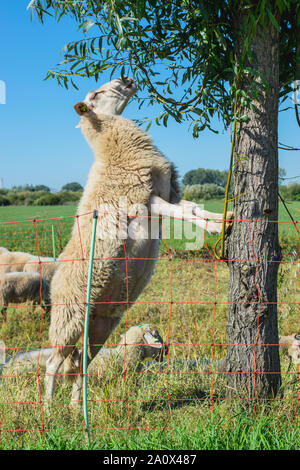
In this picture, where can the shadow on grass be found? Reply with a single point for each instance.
(194, 396)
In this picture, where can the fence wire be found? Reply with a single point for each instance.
(186, 300)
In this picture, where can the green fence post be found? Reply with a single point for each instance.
(86, 326)
(53, 242)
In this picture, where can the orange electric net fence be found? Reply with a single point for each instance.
(186, 301)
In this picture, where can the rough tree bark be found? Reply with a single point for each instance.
(252, 361)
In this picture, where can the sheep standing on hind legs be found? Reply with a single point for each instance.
(127, 165)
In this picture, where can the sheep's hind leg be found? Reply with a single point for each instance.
(100, 328)
(52, 367)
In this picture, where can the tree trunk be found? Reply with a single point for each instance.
(252, 362)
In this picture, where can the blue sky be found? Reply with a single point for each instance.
(39, 141)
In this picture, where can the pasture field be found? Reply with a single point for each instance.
(25, 234)
(175, 405)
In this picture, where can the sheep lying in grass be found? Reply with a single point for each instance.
(13, 261)
(139, 343)
(17, 287)
(291, 346)
(142, 342)
(45, 266)
(18, 261)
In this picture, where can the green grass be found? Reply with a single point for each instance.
(14, 213)
(27, 234)
(175, 410)
(244, 431)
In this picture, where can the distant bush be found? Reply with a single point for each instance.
(38, 198)
(30, 187)
(290, 192)
(61, 198)
(72, 187)
(48, 200)
(24, 198)
(4, 191)
(202, 176)
(4, 201)
(203, 191)
(69, 196)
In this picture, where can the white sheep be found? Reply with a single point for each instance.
(3, 250)
(13, 261)
(127, 165)
(18, 261)
(142, 342)
(44, 265)
(291, 346)
(18, 287)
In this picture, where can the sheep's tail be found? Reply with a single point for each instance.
(72, 365)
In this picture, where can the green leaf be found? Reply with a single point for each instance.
(272, 19)
(119, 25)
(244, 118)
(88, 25)
(197, 111)
(262, 12)
(123, 73)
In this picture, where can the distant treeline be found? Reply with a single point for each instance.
(40, 195)
(210, 184)
(197, 184)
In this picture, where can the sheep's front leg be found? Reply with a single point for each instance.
(186, 212)
(100, 328)
(214, 217)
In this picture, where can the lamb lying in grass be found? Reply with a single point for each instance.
(139, 343)
(44, 265)
(18, 261)
(290, 345)
(17, 287)
(142, 342)
(13, 261)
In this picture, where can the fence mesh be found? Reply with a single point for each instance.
(186, 301)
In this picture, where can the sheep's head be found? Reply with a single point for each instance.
(111, 98)
(291, 346)
(293, 350)
(144, 341)
(155, 347)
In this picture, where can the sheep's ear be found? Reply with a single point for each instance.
(154, 342)
(81, 108)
